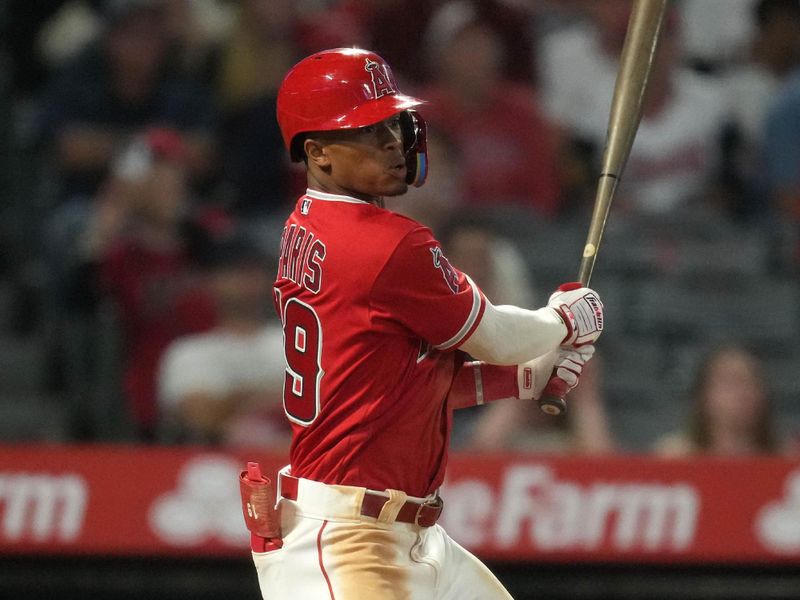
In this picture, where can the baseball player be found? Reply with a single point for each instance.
(377, 324)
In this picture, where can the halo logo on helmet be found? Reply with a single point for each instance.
(380, 79)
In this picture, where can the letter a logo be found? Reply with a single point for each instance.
(380, 79)
(448, 272)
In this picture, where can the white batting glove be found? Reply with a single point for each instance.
(582, 312)
(559, 369)
(570, 362)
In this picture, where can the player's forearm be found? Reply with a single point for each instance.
(509, 335)
(480, 383)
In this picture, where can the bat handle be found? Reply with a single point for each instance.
(552, 400)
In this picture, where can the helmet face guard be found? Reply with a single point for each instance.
(415, 147)
(348, 88)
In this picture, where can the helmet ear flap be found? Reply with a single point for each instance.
(415, 147)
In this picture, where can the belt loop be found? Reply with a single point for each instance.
(392, 506)
(281, 472)
(434, 504)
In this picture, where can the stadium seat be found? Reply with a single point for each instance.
(760, 311)
(33, 418)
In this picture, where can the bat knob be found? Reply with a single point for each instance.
(552, 400)
(552, 405)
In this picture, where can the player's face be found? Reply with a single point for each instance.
(367, 162)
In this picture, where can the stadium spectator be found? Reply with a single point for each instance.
(507, 147)
(750, 89)
(25, 29)
(64, 34)
(716, 33)
(578, 66)
(142, 248)
(225, 385)
(731, 412)
(676, 156)
(780, 160)
(197, 29)
(118, 85)
(389, 29)
(338, 24)
(259, 50)
(774, 54)
(522, 426)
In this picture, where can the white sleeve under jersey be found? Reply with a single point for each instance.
(509, 335)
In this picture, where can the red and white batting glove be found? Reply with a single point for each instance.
(558, 370)
(582, 312)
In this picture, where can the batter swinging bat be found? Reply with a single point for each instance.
(636, 63)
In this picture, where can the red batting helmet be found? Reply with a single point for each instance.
(347, 88)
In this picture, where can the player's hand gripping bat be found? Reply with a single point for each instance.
(636, 63)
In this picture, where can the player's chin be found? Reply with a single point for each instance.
(386, 190)
(397, 189)
(385, 185)
(394, 185)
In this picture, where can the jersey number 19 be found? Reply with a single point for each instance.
(302, 342)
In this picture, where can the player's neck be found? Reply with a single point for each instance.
(328, 186)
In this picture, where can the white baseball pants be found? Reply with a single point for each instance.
(330, 552)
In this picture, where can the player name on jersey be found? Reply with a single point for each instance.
(301, 257)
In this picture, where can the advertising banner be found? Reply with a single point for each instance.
(124, 501)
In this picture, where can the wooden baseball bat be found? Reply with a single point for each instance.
(636, 62)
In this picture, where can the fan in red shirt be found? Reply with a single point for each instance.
(376, 325)
(159, 299)
(507, 145)
(142, 246)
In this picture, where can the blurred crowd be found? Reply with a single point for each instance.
(145, 187)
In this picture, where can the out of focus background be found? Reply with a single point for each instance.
(144, 187)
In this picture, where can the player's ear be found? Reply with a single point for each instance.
(316, 153)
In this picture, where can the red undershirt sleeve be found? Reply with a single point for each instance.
(480, 383)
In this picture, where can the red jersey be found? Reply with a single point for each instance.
(372, 313)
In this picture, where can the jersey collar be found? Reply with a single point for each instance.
(317, 195)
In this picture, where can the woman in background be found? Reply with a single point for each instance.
(731, 411)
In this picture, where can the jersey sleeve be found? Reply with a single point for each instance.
(421, 291)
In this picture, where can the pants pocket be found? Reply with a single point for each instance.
(269, 570)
